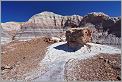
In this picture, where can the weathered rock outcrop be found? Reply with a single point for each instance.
(36, 25)
(99, 19)
(8, 31)
(116, 28)
(9, 26)
(77, 37)
(52, 20)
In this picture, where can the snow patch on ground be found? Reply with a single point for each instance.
(59, 53)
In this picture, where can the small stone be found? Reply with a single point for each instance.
(106, 61)
(118, 78)
(101, 57)
(23, 57)
(6, 67)
(2, 68)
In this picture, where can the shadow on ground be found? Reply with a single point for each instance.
(66, 48)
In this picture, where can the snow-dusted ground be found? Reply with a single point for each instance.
(52, 66)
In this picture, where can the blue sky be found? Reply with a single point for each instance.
(21, 11)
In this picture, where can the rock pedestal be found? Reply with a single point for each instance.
(78, 37)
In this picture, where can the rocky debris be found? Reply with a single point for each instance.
(102, 67)
(52, 39)
(24, 58)
(28, 55)
(77, 37)
(6, 67)
(58, 54)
